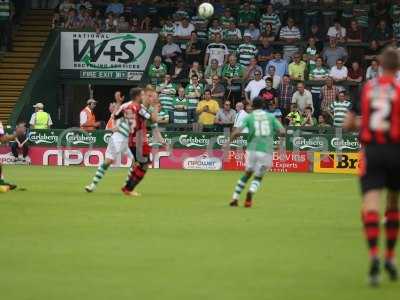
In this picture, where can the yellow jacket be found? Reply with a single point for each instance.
(207, 118)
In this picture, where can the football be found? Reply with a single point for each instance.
(205, 10)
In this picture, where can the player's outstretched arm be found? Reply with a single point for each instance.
(7, 138)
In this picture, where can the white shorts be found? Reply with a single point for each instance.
(258, 162)
(117, 145)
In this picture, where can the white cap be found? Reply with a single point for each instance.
(247, 34)
(90, 101)
(39, 105)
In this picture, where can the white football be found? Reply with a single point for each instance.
(205, 10)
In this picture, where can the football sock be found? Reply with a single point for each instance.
(391, 231)
(135, 177)
(101, 170)
(255, 184)
(240, 186)
(371, 230)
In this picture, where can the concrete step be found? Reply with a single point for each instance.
(14, 76)
(15, 71)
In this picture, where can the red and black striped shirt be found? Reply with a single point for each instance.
(380, 111)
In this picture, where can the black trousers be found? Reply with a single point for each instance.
(5, 35)
(16, 151)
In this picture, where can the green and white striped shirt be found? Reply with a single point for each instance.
(123, 127)
(340, 110)
(201, 27)
(212, 30)
(192, 99)
(318, 74)
(167, 94)
(225, 21)
(246, 52)
(232, 35)
(180, 116)
(270, 18)
(4, 10)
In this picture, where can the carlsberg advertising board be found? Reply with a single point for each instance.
(106, 51)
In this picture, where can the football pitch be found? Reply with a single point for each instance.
(180, 240)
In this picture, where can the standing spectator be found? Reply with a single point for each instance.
(226, 19)
(290, 34)
(269, 94)
(115, 7)
(319, 73)
(253, 31)
(316, 34)
(179, 71)
(311, 52)
(247, 50)
(40, 119)
(285, 94)
(276, 80)
(168, 28)
(281, 65)
(232, 36)
(72, 20)
(382, 34)
(339, 72)
(264, 53)
(297, 68)
(87, 118)
(195, 69)
(268, 33)
(332, 53)
(217, 89)
(355, 73)
(207, 109)
(157, 71)
(184, 30)
(270, 17)
(337, 31)
(372, 51)
(233, 75)
(249, 72)
(226, 115)
(240, 115)
(302, 98)
(194, 49)
(180, 108)
(216, 50)
(246, 15)
(373, 70)
(339, 109)
(170, 50)
(214, 29)
(329, 93)
(200, 24)
(167, 92)
(254, 87)
(193, 93)
(212, 70)
(20, 145)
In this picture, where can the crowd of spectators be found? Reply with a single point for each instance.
(305, 58)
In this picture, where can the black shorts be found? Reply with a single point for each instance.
(140, 155)
(380, 167)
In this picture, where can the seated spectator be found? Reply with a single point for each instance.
(276, 80)
(207, 109)
(294, 117)
(157, 71)
(168, 28)
(308, 119)
(290, 34)
(269, 94)
(264, 53)
(217, 89)
(373, 70)
(72, 21)
(337, 31)
(40, 119)
(194, 49)
(115, 7)
(19, 147)
(355, 73)
(233, 73)
(184, 30)
(246, 15)
(329, 93)
(254, 87)
(111, 23)
(285, 94)
(216, 50)
(332, 53)
(181, 12)
(302, 98)
(167, 92)
(162, 115)
(65, 7)
(179, 71)
(200, 24)
(297, 68)
(339, 72)
(180, 114)
(372, 51)
(170, 50)
(195, 69)
(323, 120)
(247, 50)
(354, 33)
(226, 115)
(268, 33)
(227, 19)
(273, 109)
(253, 31)
(339, 109)
(212, 70)
(194, 92)
(233, 36)
(281, 65)
(317, 35)
(382, 34)
(250, 70)
(215, 28)
(271, 18)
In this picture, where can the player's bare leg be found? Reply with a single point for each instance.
(392, 231)
(101, 170)
(370, 218)
(240, 185)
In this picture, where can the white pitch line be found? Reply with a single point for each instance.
(333, 180)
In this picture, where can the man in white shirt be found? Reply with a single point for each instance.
(216, 50)
(254, 87)
(302, 98)
(271, 73)
(240, 115)
(184, 30)
(337, 31)
(170, 50)
(339, 73)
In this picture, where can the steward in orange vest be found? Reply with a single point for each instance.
(87, 118)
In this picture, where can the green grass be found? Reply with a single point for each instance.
(180, 240)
